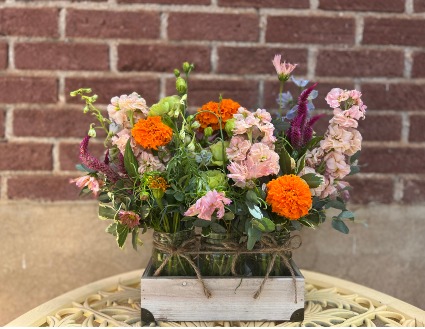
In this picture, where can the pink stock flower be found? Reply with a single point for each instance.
(318, 190)
(149, 162)
(343, 119)
(341, 187)
(336, 166)
(336, 96)
(121, 139)
(238, 148)
(314, 157)
(206, 205)
(329, 188)
(91, 182)
(355, 143)
(260, 162)
(120, 106)
(263, 115)
(284, 69)
(337, 139)
(129, 218)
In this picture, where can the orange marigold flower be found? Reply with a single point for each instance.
(289, 196)
(151, 133)
(158, 183)
(225, 109)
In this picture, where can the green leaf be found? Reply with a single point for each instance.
(135, 238)
(144, 211)
(346, 214)
(355, 157)
(281, 126)
(264, 224)
(254, 235)
(312, 180)
(316, 218)
(217, 228)
(285, 161)
(254, 210)
(229, 216)
(335, 204)
(106, 211)
(104, 197)
(339, 225)
(83, 168)
(251, 197)
(354, 170)
(112, 229)
(122, 232)
(300, 164)
(202, 222)
(130, 162)
(179, 196)
(296, 225)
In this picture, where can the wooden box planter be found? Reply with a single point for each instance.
(182, 298)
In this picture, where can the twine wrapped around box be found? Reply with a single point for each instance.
(192, 246)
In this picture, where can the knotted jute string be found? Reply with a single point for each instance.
(267, 245)
(184, 251)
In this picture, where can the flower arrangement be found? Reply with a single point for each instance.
(223, 168)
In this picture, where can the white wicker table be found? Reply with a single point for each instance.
(115, 301)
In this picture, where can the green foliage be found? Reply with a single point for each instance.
(284, 161)
(312, 180)
(122, 233)
(130, 161)
(339, 225)
(106, 211)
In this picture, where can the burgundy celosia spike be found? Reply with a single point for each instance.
(300, 131)
(314, 119)
(121, 166)
(93, 163)
(106, 160)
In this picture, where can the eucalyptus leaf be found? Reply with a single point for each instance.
(122, 233)
(130, 162)
(254, 210)
(354, 170)
(339, 225)
(335, 204)
(179, 196)
(83, 168)
(254, 235)
(202, 223)
(355, 157)
(346, 214)
(312, 180)
(217, 228)
(251, 197)
(144, 211)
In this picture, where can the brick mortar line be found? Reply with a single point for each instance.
(394, 144)
(202, 9)
(405, 127)
(311, 62)
(163, 28)
(359, 30)
(365, 176)
(3, 188)
(408, 63)
(8, 122)
(214, 59)
(409, 7)
(204, 76)
(62, 23)
(11, 54)
(262, 30)
(261, 94)
(55, 158)
(337, 14)
(398, 189)
(314, 4)
(113, 57)
(220, 43)
(61, 89)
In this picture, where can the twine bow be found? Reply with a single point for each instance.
(184, 250)
(267, 245)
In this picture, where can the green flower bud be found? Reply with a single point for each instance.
(195, 125)
(92, 131)
(215, 179)
(157, 193)
(176, 73)
(186, 67)
(191, 146)
(181, 85)
(230, 125)
(208, 132)
(164, 106)
(187, 140)
(144, 196)
(218, 150)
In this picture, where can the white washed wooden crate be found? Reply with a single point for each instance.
(182, 298)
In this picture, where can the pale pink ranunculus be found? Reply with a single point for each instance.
(206, 205)
(92, 183)
(355, 144)
(129, 218)
(238, 148)
(149, 162)
(336, 166)
(282, 68)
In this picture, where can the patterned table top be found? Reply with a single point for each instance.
(329, 302)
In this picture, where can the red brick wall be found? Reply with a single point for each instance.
(48, 48)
